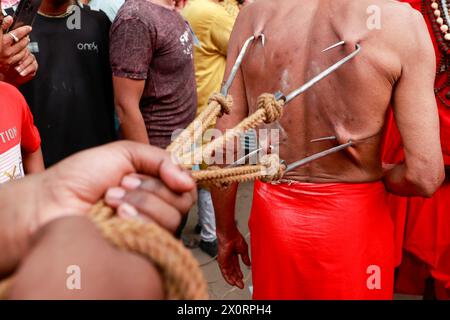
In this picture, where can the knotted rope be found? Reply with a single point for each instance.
(218, 105)
(182, 276)
(269, 110)
(269, 169)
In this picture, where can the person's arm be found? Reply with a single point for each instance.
(417, 118)
(74, 185)
(231, 242)
(131, 52)
(104, 271)
(33, 162)
(127, 95)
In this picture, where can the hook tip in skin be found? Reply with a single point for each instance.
(263, 39)
(340, 43)
(324, 139)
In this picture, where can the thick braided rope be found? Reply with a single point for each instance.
(269, 110)
(218, 105)
(270, 169)
(182, 276)
(183, 279)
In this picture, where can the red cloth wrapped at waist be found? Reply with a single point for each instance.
(321, 241)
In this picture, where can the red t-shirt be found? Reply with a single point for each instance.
(393, 148)
(17, 132)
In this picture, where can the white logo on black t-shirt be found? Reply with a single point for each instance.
(88, 46)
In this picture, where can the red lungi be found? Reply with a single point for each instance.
(321, 241)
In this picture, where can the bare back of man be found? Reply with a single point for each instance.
(336, 207)
(351, 103)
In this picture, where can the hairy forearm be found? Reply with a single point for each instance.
(224, 207)
(33, 162)
(132, 123)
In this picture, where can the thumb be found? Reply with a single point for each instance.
(244, 254)
(175, 177)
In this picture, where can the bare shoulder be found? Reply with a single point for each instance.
(403, 22)
(253, 11)
(403, 28)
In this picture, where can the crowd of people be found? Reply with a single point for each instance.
(90, 73)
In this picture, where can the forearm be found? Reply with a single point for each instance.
(104, 271)
(132, 125)
(33, 162)
(15, 229)
(400, 182)
(9, 78)
(224, 207)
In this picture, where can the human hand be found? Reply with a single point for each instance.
(231, 246)
(17, 64)
(161, 193)
(149, 199)
(77, 183)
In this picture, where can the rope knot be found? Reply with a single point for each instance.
(225, 102)
(272, 107)
(273, 167)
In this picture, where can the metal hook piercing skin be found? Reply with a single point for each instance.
(332, 138)
(238, 62)
(248, 156)
(318, 156)
(279, 95)
(340, 43)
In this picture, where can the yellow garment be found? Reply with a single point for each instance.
(212, 25)
(231, 6)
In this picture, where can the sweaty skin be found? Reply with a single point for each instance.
(352, 102)
(395, 67)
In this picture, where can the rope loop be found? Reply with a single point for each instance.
(272, 107)
(225, 102)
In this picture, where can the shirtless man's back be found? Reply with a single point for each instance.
(342, 193)
(352, 102)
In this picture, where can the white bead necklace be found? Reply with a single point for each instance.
(440, 19)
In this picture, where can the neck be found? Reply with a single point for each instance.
(169, 4)
(55, 7)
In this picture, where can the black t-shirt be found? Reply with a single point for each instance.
(71, 97)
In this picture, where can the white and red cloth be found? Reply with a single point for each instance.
(17, 133)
